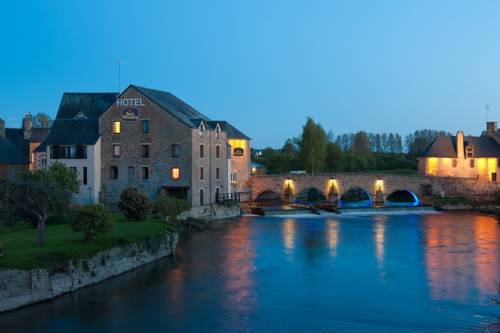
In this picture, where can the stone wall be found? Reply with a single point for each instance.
(212, 212)
(22, 287)
(450, 186)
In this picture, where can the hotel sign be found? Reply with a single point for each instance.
(238, 152)
(130, 114)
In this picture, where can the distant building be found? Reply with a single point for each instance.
(258, 168)
(17, 148)
(463, 156)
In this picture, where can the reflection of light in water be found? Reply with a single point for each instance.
(455, 261)
(333, 236)
(239, 286)
(288, 232)
(379, 238)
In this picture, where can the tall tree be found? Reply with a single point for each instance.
(42, 120)
(361, 143)
(312, 146)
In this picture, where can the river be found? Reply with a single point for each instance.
(345, 273)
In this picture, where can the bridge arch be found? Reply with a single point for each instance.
(310, 195)
(402, 198)
(269, 197)
(356, 197)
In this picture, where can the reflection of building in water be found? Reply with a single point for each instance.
(455, 262)
(332, 236)
(288, 233)
(239, 285)
(379, 238)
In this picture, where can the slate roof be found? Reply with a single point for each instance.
(92, 105)
(446, 146)
(232, 132)
(14, 149)
(170, 103)
(73, 132)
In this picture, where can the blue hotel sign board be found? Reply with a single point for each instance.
(130, 112)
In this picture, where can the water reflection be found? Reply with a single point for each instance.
(455, 261)
(332, 236)
(379, 238)
(288, 232)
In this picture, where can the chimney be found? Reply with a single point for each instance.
(491, 128)
(27, 125)
(2, 128)
(460, 145)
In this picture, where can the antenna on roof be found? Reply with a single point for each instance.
(120, 62)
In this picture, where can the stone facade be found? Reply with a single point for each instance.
(240, 164)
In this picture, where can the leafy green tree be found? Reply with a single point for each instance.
(42, 120)
(361, 144)
(135, 205)
(93, 220)
(334, 157)
(40, 194)
(312, 146)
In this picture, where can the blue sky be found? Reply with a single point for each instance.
(264, 65)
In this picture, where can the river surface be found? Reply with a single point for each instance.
(348, 273)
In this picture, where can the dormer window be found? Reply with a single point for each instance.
(469, 152)
(202, 129)
(217, 131)
(80, 115)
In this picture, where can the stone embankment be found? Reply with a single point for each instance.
(22, 287)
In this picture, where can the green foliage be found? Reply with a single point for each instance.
(93, 220)
(417, 142)
(135, 205)
(65, 217)
(42, 120)
(170, 207)
(312, 147)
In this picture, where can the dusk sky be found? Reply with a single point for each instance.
(264, 66)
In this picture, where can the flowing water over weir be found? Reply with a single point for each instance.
(405, 272)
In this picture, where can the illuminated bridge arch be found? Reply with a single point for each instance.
(402, 198)
(310, 195)
(356, 198)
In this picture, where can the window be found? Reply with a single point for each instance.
(471, 163)
(175, 173)
(145, 126)
(145, 173)
(116, 150)
(469, 151)
(145, 151)
(201, 197)
(114, 172)
(234, 177)
(201, 173)
(176, 150)
(454, 164)
(217, 173)
(131, 173)
(117, 127)
(202, 153)
(84, 175)
(68, 152)
(217, 151)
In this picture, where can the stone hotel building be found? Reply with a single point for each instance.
(464, 156)
(150, 140)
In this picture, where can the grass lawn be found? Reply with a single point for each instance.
(22, 251)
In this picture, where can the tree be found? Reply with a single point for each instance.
(40, 194)
(93, 220)
(417, 142)
(334, 160)
(361, 144)
(312, 146)
(134, 205)
(42, 120)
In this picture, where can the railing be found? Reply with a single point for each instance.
(228, 199)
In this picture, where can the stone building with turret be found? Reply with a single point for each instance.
(17, 148)
(463, 156)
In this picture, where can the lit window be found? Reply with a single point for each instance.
(116, 151)
(176, 150)
(114, 172)
(145, 173)
(175, 173)
(145, 126)
(116, 127)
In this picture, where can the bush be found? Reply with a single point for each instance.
(169, 207)
(93, 220)
(134, 205)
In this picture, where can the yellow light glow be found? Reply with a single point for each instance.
(116, 127)
(176, 173)
(235, 143)
(481, 166)
(492, 166)
(254, 169)
(432, 165)
(333, 186)
(289, 185)
(379, 185)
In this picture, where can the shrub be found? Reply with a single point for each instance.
(134, 205)
(169, 207)
(93, 220)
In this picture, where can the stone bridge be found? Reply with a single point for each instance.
(288, 186)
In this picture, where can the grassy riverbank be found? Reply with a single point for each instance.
(22, 251)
